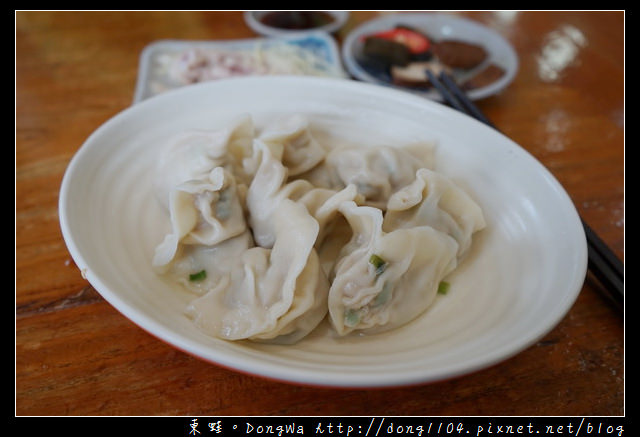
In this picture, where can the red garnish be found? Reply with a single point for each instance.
(416, 42)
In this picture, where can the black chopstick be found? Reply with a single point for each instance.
(603, 263)
(444, 91)
(464, 100)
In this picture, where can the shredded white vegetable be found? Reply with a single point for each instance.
(203, 64)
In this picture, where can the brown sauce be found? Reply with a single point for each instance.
(296, 20)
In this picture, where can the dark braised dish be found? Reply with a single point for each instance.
(402, 55)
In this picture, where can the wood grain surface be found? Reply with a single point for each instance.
(76, 355)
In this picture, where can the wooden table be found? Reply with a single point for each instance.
(77, 355)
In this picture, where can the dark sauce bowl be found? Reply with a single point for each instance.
(278, 23)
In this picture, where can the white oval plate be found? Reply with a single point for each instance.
(438, 26)
(523, 274)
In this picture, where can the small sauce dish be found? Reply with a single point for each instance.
(278, 23)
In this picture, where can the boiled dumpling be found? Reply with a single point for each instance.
(277, 294)
(268, 189)
(377, 172)
(435, 200)
(200, 268)
(383, 280)
(202, 212)
(274, 231)
(191, 155)
(334, 232)
(323, 204)
(301, 151)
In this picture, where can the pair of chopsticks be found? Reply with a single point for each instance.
(603, 263)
